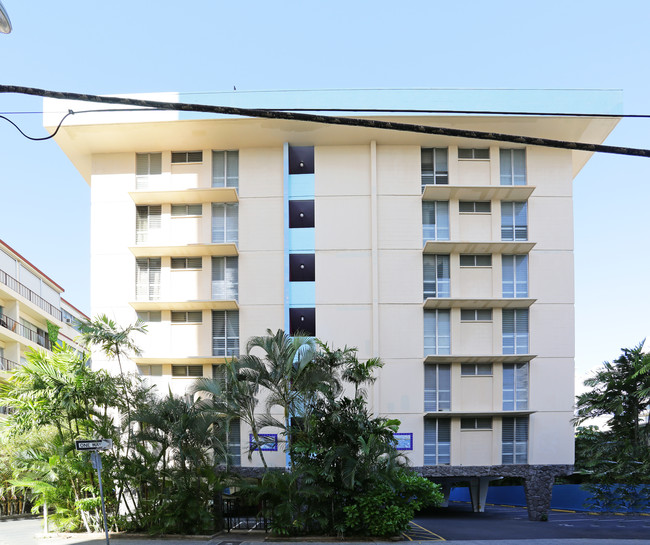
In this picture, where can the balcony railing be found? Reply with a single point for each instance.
(7, 365)
(40, 339)
(28, 294)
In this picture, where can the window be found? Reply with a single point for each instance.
(150, 370)
(301, 214)
(225, 223)
(225, 333)
(301, 159)
(34, 333)
(302, 321)
(437, 388)
(150, 316)
(514, 221)
(476, 260)
(434, 166)
(435, 220)
(187, 317)
(187, 157)
(181, 210)
(515, 275)
(437, 441)
(187, 370)
(514, 440)
(146, 165)
(302, 267)
(476, 315)
(515, 386)
(187, 263)
(225, 278)
(436, 275)
(437, 332)
(147, 278)
(513, 166)
(147, 223)
(474, 207)
(475, 369)
(473, 153)
(515, 331)
(234, 441)
(484, 423)
(225, 169)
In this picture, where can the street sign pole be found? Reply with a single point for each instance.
(96, 460)
(95, 445)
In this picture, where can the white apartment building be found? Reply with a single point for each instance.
(449, 258)
(29, 299)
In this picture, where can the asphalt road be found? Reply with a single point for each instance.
(498, 523)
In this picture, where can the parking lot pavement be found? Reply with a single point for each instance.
(502, 523)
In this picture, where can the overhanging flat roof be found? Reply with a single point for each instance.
(86, 134)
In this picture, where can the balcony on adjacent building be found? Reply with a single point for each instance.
(7, 365)
(40, 339)
(28, 294)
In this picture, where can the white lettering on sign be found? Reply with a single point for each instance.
(95, 444)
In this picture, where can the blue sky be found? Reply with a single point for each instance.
(121, 47)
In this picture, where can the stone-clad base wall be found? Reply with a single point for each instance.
(538, 480)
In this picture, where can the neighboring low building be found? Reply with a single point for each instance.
(449, 258)
(29, 300)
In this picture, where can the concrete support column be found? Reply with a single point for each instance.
(539, 488)
(446, 491)
(478, 489)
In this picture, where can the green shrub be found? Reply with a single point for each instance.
(385, 509)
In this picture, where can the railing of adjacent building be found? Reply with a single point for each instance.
(5, 364)
(30, 295)
(40, 339)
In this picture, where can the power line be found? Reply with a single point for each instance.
(405, 111)
(330, 120)
(70, 112)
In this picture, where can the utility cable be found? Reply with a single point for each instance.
(331, 120)
(70, 112)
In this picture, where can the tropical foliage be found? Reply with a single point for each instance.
(173, 456)
(616, 461)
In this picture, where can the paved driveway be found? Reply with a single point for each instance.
(457, 522)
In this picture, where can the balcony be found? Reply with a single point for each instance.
(477, 192)
(186, 250)
(494, 247)
(40, 339)
(475, 302)
(28, 294)
(7, 365)
(188, 196)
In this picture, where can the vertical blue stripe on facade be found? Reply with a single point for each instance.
(299, 240)
(286, 235)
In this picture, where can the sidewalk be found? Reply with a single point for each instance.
(98, 539)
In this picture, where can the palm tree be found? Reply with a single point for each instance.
(57, 391)
(232, 397)
(114, 341)
(175, 439)
(288, 371)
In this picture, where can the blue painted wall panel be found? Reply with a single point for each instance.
(302, 294)
(302, 240)
(301, 186)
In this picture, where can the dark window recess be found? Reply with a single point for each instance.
(302, 320)
(301, 159)
(301, 268)
(301, 214)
